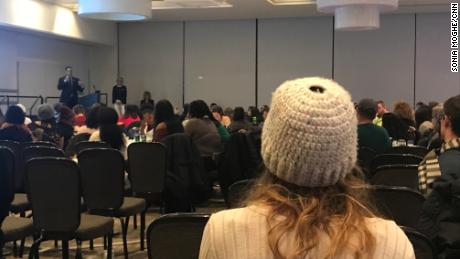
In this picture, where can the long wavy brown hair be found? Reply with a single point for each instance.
(339, 211)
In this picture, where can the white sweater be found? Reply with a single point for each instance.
(242, 234)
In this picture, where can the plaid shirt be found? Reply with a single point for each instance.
(429, 169)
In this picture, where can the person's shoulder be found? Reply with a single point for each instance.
(390, 238)
(237, 217)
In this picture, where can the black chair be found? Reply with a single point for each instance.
(365, 156)
(237, 192)
(39, 143)
(423, 247)
(401, 204)
(414, 150)
(176, 236)
(19, 166)
(394, 159)
(54, 191)
(102, 175)
(396, 175)
(90, 144)
(147, 173)
(41, 151)
(13, 228)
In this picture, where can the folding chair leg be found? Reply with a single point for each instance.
(65, 249)
(135, 221)
(15, 249)
(78, 254)
(124, 230)
(105, 242)
(91, 244)
(109, 246)
(34, 253)
(142, 230)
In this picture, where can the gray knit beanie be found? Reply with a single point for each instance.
(310, 135)
(45, 111)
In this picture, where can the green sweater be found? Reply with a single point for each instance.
(374, 137)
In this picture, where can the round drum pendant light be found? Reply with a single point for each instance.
(353, 15)
(116, 10)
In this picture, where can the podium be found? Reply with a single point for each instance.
(90, 99)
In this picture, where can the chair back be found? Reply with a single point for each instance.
(18, 163)
(7, 173)
(365, 156)
(414, 150)
(39, 143)
(423, 247)
(102, 178)
(394, 159)
(176, 236)
(401, 204)
(82, 145)
(396, 175)
(237, 192)
(41, 151)
(54, 191)
(147, 167)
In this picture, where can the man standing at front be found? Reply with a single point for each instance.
(70, 86)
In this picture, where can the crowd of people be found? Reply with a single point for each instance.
(309, 198)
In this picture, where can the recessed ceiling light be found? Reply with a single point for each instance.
(291, 2)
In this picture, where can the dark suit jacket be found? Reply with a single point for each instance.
(70, 89)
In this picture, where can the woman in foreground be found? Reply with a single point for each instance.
(310, 202)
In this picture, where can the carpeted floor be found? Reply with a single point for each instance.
(48, 250)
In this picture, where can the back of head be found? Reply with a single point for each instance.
(66, 116)
(164, 111)
(131, 111)
(452, 111)
(92, 118)
(15, 115)
(46, 112)
(238, 114)
(403, 110)
(108, 128)
(309, 151)
(422, 114)
(218, 109)
(367, 108)
(79, 109)
(199, 109)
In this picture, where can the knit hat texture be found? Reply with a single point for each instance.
(45, 111)
(310, 135)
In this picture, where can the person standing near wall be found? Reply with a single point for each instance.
(119, 94)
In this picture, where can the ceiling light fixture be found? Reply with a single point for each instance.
(116, 10)
(291, 2)
(353, 15)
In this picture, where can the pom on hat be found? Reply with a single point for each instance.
(310, 135)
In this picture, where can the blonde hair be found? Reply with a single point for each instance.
(308, 212)
(403, 110)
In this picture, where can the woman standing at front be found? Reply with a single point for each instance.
(309, 203)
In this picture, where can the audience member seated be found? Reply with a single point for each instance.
(218, 114)
(27, 120)
(2, 118)
(109, 131)
(80, 116)
(369, 134)
(254, 115)
(381, 110)
(425, 132)
(239, 122)
(14, 128)
(147, 100)
(148, 121)
(309, 203)
(203, 129)
(439, 219)
(229, 113)
(131, 115)
(84, 132)
(434, 140)
(166, 121)
(46, 129)
(65, 124)
(446, 161)
(185, 111)
(422, 114)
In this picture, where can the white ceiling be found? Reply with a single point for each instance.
(250, 9)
